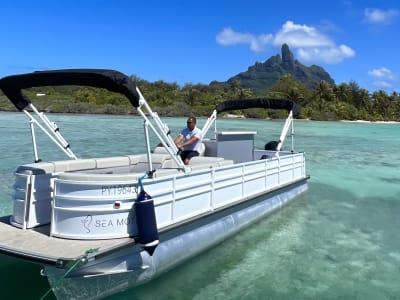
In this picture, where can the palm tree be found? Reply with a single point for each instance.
(324, 93)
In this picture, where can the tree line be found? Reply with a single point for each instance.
(346, 101)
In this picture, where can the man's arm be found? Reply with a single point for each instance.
(178, 139)
(193, 140)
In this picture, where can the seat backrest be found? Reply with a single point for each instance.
(202, 149)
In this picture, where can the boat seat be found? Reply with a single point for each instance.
(167, 172)
(90, 164)
(73, 165)
(204, 159)
(57, 166)
(156, 158)
(160, 150)
(134, 159)
(82, 176)
(112, 162)
(128, 164)
(199, 163)
(117, 168)
(137, 162)
(36, 168)
(202, 149)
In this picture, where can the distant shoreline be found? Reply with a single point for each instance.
(232, 116)
(226, 116)
(364, 121)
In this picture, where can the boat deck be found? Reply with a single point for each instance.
(37, 245)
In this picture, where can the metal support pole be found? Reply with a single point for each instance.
(67, 151)
(292, 135)
(146, 135)
(35, 152)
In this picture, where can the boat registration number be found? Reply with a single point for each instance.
(118, 189)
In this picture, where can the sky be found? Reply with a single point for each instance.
(190, 42)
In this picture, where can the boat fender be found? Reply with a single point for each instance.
(146, 220)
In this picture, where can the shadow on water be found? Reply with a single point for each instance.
(22, 280)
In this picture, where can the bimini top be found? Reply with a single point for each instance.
(259, 103)
(108, 79)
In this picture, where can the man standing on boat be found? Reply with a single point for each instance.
(190, 140)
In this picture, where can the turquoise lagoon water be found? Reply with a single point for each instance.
(340, 240)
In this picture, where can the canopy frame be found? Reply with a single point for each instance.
(269, 103)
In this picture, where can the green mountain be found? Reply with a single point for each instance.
(261, 76)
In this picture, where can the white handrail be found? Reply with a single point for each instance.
(285, 130)
(162, 133)
(209, 122)
(51, 132)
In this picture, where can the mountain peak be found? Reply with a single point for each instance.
(287, 58)
(261, 76)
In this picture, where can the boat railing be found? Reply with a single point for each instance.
(206, 191)
(177, 198)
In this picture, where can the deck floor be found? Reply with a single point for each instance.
(36, 242)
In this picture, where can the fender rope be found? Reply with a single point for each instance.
(81, 258)
(140, 183)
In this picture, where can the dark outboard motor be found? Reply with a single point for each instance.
(146, 220)
(272, 145)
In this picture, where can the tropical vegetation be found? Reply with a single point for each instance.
(346, 101)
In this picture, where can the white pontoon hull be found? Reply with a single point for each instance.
(134, 266)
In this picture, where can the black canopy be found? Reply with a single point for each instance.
(259, 103)
(108, 79)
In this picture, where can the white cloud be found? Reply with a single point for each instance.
(311, 44)
(297, 35)
(378, 16)
(383, 77)
(328, 55)
(382, 73)
(229, 37)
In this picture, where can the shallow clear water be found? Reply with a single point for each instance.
(340, 240)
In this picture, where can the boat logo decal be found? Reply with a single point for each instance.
(86, 223)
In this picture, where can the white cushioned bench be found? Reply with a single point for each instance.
(202, 162)
(80, 176)
(98, 164)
